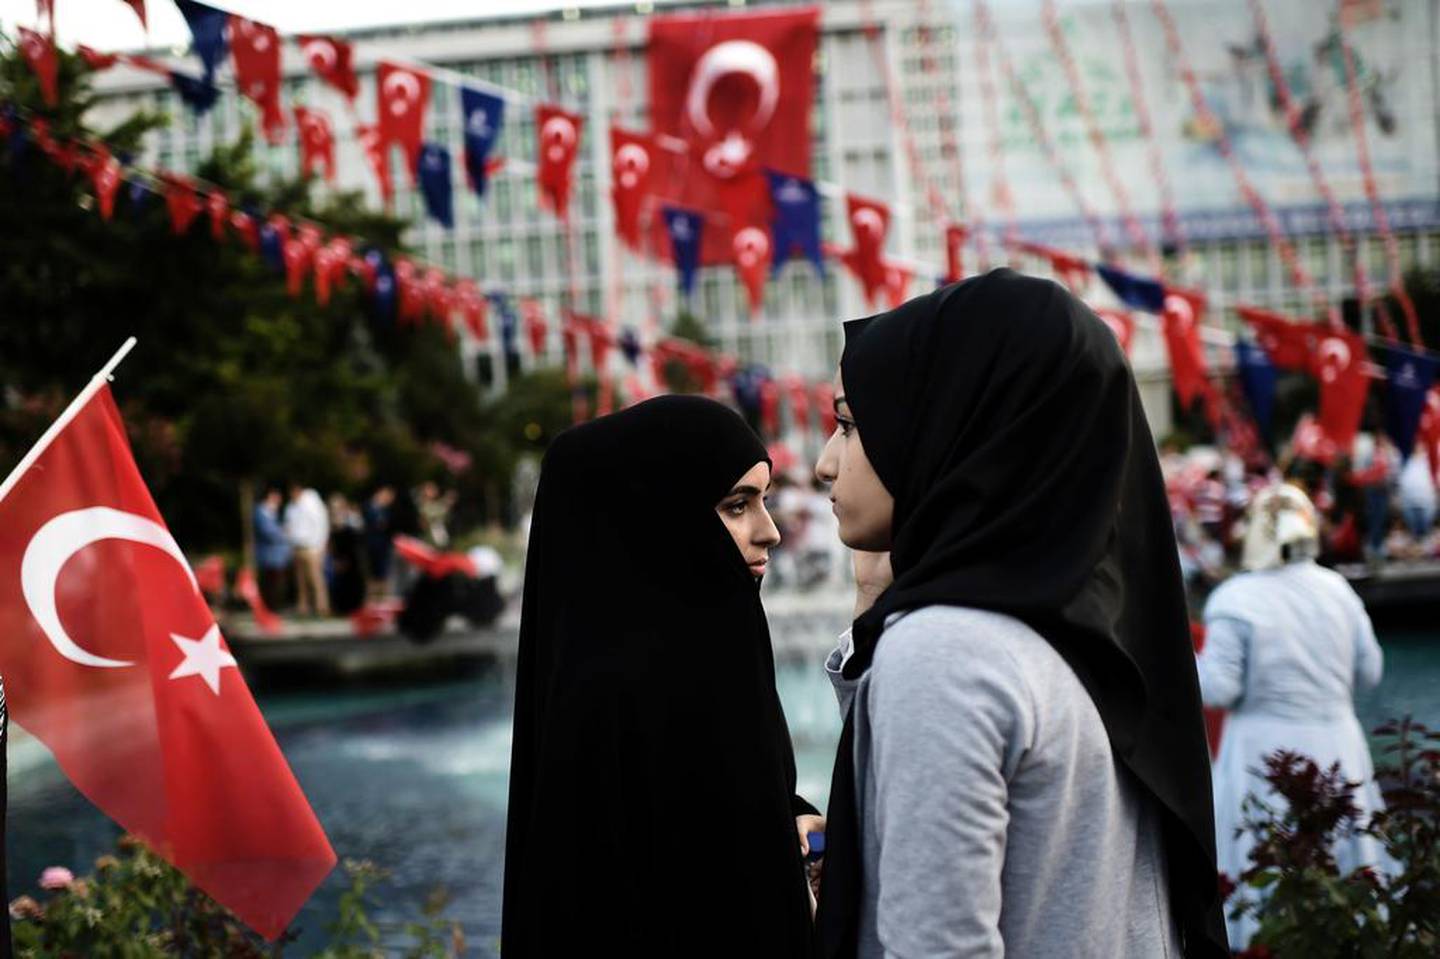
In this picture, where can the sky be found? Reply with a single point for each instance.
(112, 25)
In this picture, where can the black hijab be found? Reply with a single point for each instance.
(1002, 417)
(652, 779)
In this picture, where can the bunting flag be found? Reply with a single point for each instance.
(897, 284)
(39, 52)
(825, 408)
(96, 60)
(386, 290)
(632, 163)
(559, 142)
(298, 260)
(195, 92)
(1136, 292)
(317, 142)
(255, 48)
(207, 31)
(955, 235)
(1290, 345)
(248, 230)
(378, 158)
(1430, 431)
(537, 331)
(1410, 375)
(752, 261)
(1310, 442)
(139, 7)
(139, 195)
(403, 96)
(472, 308)
(182, 202)
(869, 224)
(796, 223)
(484, 117)
(1258, 377)
(274, 233)
(1122, 324)
(105, 175)
(797, 391)
(409, 292)
(331, 61)
(509, 322)
(1180, 324)
(684, 227)
(439, 301)
(630, 346)
(770, 406)
(217, 204)
(1339, 364)
(1072, 270)
(435, 183)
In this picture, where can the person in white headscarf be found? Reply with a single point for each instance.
(1287, 643)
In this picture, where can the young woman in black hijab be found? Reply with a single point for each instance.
(1023, 767)
(652, 808)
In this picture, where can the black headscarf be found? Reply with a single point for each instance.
(652, 779)
(1002, 417)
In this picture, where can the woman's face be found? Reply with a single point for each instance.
(743, 512)
(863, 506)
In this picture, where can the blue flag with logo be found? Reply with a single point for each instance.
(509, 322)
(797, 220)
(484, 114)
(383, 299)
(1258, 377)
(745, 383)
(435, 183)
(207, 28)
(1137, 292)
(196, 93)
(684, 227)
(139, 195)
(1409, 377)
(272, 247)
(630, 345)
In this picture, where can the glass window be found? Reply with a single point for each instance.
(534, 256)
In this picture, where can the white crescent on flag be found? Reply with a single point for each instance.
(733, 56)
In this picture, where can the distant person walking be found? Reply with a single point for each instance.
(273, 553)
(307, 525)
(1417, 493)
(379, 539)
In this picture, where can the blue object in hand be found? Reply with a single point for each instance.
(817, 845)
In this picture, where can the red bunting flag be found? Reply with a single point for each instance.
(39, 52)
(869, 224)
(1430, 430)
(298, 260)
(752, 262)
(331, 61)
(438, 299)
(317, 142)
(256, 50)
(825, 407)
(1339, 364)
(559, 141)
(331, 261)
(1310, 441)
(244, 224)
(1180, 324)
(105, 174)
(182, 202)
(897, 284)
(955, 235)
(1290, 345)
(218, 206)
(633, 159)
(536, 329)
(113, 660)
(473, 308)
(1072, 270)
(1122, 324)
(411, 291)
(770, 407)
(378, 157)
(798, 391)
(404, 96)
(139, 7)
(96, 60)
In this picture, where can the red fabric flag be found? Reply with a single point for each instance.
(825, 407)
(752, 262)
(1289, 345)
(1430, 430)
(633, 159)
(331, 60)
(245, 225)
(1072, 270)
(39, 52)
(1339, 364)
(897, 284)
(249, 590)
(96, 60)
(404, 95)
(113, 660)
(298, 259)
(798, 392)
(1180, 323)
(218, 206)
(139, 7)
(1311, 442)
(256, 49)
(869, 223)
(317, 142)
(378, 156)
(438, 298)
(411, 291)
(473, 309)
(1122, 324)
(559, 141)
(536, 329)
(955, 252)
(105, 174)
(182, 201)
(770, 407)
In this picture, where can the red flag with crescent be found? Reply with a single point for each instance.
(559, 142)
(256, 49)
(105, 174)
(869, 223)
(182, 201)
(317, 142)
(378, 158)
(1180, 325)
(404, 96)
(473, 308)
(331, 61)
(633, 160)
(897, 283)
(537, 331)
(1339, 364)
(113, 660)
(752, 248)
(1290, 345)
(217, 204)
(955, 252)
(39, 52)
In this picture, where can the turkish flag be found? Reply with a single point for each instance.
(825, 407)
(1180, 324)
(182, 201)
(869, 223)
(472, 308)
(139, 7)
(897, 284)
(317, 142)
(770, 407)
(633, 158)
(404, 95)
(256, 49)
(245, 225)
(96, 60)
(955, 252)
(1339, 364)
(1289, 344)
(798, 392)
(218, 206)
(378, 157)
(1311, 442)
(105, 174)
(559, 141)
(752, 262)
(331, 60)
(1122, 324)
(39, 52)
(536, 329)
(411, 291)
(113, 660)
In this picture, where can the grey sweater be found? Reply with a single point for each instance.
(995, 820)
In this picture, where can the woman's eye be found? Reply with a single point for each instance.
(736, 509)
(845, 427)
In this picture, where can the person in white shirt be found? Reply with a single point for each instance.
(307, 525)
(1417, 493)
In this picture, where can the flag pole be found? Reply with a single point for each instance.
(71, 411)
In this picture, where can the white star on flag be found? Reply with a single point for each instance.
(203, 658)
